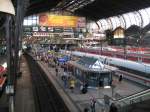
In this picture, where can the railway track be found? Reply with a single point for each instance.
(46, 96)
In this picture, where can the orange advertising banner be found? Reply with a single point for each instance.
(46, 19)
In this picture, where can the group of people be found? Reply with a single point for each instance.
(67, 79)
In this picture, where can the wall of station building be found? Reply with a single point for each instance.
(45, 24)
(66, 25)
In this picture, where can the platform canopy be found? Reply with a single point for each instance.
(91, 63)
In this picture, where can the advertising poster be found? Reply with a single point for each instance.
(45, 19)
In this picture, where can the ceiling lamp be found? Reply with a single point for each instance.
(6, 6)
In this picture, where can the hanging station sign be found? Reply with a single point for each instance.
(58, 29)
(41, 34)
(27, 29)
(35, 28)
(68, 30)
(50, 29)
(42, 29)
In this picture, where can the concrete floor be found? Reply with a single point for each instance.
(24, 100)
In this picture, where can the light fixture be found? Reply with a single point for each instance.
(6, 6)
(119, 33)
(107, 87)
(4, 65)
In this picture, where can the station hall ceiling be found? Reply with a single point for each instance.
(94, 10)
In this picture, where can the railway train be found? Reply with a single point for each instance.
(132, 66)
(133, 55)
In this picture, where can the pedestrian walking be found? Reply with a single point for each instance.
(56, 70)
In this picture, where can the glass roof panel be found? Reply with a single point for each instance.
(140, 18)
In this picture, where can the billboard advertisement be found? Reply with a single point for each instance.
(46, 19)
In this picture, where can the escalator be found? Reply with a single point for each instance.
(140, 107)
(138, 102)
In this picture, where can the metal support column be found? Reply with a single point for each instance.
(125, 50)
(10, 63)
(13, 34)
(18, 34)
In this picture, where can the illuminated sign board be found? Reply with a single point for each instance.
(46, 19)
(68, 30)
(42, 28)
(27, 29)
(58, 29)
(50, 29)
(119, 33)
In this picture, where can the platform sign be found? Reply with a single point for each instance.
(40, 34)
(35, 28)
(58, 30)
(9, 89)
(27, 29)
(50, 29)
(27, 33)
(42, 29)
(68, 30)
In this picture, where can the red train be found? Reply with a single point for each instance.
(119, 53)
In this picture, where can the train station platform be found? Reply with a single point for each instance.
(24, 99)
(82, 101)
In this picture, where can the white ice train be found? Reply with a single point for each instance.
(142, 68)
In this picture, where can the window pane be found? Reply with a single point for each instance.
(25, 22)
(34, 22)
(145, 17)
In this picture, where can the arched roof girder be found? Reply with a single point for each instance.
(140, 18)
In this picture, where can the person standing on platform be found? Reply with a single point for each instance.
(113, 108)
(93, 102)
(120, 78)
(55, 61)
(56, 70)
(64, 78)
(72, 84)
(65, 81)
